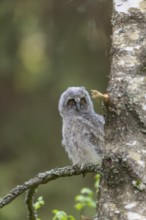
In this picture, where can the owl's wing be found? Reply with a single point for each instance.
(94, 131)
(97, 141)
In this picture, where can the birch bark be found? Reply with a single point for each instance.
(123, 193)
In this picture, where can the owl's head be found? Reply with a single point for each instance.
(75, 100)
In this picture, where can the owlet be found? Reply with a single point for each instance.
(83, 129)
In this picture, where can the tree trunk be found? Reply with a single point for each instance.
(123, 193)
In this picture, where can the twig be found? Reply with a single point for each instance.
(43, 178)
(32, 215)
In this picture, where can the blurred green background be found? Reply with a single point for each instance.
(45, 47)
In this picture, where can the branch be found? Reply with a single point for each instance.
(43, 178)
(32, 215)
(109, 166)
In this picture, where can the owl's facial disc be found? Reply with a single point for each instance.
(77, 104)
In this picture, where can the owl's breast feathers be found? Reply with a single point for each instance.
(84, 132)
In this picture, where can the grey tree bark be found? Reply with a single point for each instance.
(123, 191)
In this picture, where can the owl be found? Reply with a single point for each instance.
(83, 129)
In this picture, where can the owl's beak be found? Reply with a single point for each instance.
(78, 106)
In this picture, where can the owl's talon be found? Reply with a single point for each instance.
(76, 167)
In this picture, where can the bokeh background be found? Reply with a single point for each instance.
(45, 47)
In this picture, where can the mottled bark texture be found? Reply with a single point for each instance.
(123, 194)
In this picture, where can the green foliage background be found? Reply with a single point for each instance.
(45, 47)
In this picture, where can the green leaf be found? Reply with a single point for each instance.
(80, 198)
(59, 215)
(87, 191)
(55, 211)
(79, 206)
(97, 181)
(39, 203)
(70, 217)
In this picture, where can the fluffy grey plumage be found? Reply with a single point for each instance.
(83, 129)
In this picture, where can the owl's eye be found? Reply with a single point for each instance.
(71, 102)
(83, 101)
